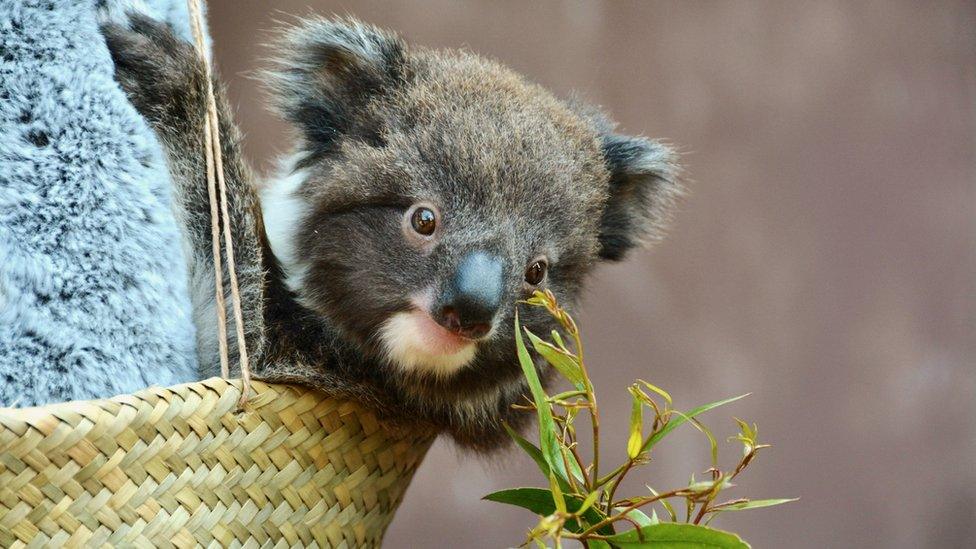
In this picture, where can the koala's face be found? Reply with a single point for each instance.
(433, 190)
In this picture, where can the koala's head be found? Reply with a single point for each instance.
(431, 190)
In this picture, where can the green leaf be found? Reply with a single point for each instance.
(557, 494)
(705, 431)
(548, 442)
(675, 423)
(590, 500)
(665, 503)
(711, 439)
(561, 361)
(574, 466)
(664, 394)
(704, 486)
(534, 452)
(668, 535)
(559, 340)
(537, 500)
(753, 504)
(540, 502)
(636, 426)
(748, 436)
(640, 518)
(567, 394)
(598, 544)
(747, 432)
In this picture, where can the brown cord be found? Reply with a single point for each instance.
(215, 186)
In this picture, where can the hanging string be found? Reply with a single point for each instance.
(215, 187)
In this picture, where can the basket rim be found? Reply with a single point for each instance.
(70, 465)
(125, 398)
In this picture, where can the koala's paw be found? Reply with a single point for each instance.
(162, 75)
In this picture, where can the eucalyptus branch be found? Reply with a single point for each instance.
(618, 478)
(580, 504)
(623, 512)
(583, 468)
(590, 395)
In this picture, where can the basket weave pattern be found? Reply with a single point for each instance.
(182, 467)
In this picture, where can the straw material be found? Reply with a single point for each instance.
(181, 467)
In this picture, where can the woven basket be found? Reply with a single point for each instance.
(181, 467)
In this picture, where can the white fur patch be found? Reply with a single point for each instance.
(283, 212)
(406, 346)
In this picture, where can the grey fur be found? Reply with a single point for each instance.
(93, 290)
(515, 172)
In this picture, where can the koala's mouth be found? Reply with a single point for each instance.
(436, 338)
(413, 341)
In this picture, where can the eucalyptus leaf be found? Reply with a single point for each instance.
(534, 452)
(667, 535)
(640, 518)
(748, 436)
(701, 486)
(748, 432)
(664, 394)
(537, 500)
(548, 442)
(568, 394)
(560, 360)
(636, 427)
(590, 500)
(559, 340)
(557, 494)
(540, 502)
(754, 504)
(665, 503)
(675, 423)
(712, 442)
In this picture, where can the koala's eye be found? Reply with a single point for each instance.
(423, 220)
(536, 272)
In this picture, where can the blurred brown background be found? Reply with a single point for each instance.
(825, 259)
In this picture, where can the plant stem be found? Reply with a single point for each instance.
(569, 470)
(579, 460)
(610, 476)
(701, 513)
(623, 512)
(590, 395)
(616, 482)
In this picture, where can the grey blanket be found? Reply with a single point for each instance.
(93, 284)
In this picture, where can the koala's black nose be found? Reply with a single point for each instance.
(474, 295)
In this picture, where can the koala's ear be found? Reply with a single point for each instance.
(643, 187)
(324, 71)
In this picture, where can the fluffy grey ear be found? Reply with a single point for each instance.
(324, 71)
(643, 187)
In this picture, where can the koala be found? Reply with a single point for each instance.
(428, 191)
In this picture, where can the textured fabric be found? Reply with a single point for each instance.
(93, 284)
